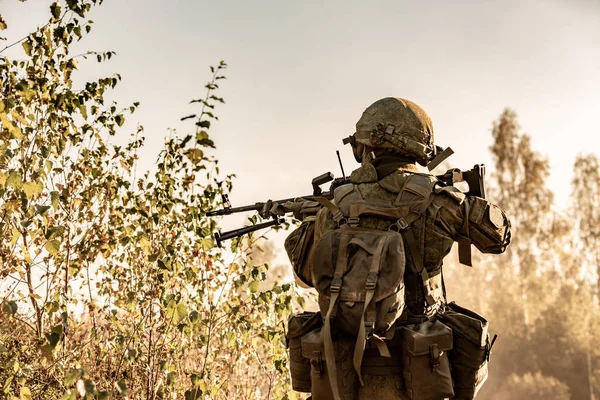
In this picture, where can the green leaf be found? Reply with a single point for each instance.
(163, 265)
(83, 111)
(188, 117)
(145, 244)
(28, 95)
(55, 10)
(25, 393)
(207, 243)
(122, 387)
(119, 119)
(90, 389)
(176, 312)
(14, 180)
(16, 234)
(11, 125)
(194, 394)
(102, 395)
(52, 246)
(54, 232)
(53, 338)
(54, 199)
(3, 25)
(72, 376)
(27, 46)
(253, 286)
(202, 135)
(32, 188)
(41, 209)
(195, 155)
(72, 4)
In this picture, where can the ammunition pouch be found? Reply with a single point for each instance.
(299, 326)
(296, 245)
(313, 349)
(471, 349)
(443, 358)
(426, 367)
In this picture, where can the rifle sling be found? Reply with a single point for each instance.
(418, 265)
(464, 240)
(334, 292)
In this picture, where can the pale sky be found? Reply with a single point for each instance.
(301, 73)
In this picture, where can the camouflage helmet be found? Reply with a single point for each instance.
(399, 125)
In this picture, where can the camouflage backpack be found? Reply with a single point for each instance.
(359, 271)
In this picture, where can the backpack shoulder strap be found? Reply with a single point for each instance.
(334, 292)
(417, 194)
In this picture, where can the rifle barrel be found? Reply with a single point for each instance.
(259, 206)
(233, 210)
(219, 237)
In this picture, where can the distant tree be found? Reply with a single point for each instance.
(585, 200)
(519, 177)
(520, 174)
(585, 213)
(519, 285)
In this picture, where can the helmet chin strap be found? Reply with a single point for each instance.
(368, 155)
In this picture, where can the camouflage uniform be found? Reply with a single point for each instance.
(391, 137)
(489, 231)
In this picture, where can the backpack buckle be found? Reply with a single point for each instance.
(338, 216)
(371, 280)
(336, 285)
(317, 362)
(399, 225)
(353, 221)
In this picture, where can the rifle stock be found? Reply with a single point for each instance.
(475, 178)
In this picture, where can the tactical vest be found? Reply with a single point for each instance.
(359, 267)
(421, 349)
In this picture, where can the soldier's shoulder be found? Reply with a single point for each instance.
(449, 194)
(418, 182)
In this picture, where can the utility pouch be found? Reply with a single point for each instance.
(471, 349)
(297, 246)
(426, 367)
(298, 326)
(313, 350)
(375, 364)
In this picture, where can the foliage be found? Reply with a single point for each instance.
(111, 286)
(586, 212)
(538, 296)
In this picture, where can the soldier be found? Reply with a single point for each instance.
(392, 136)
